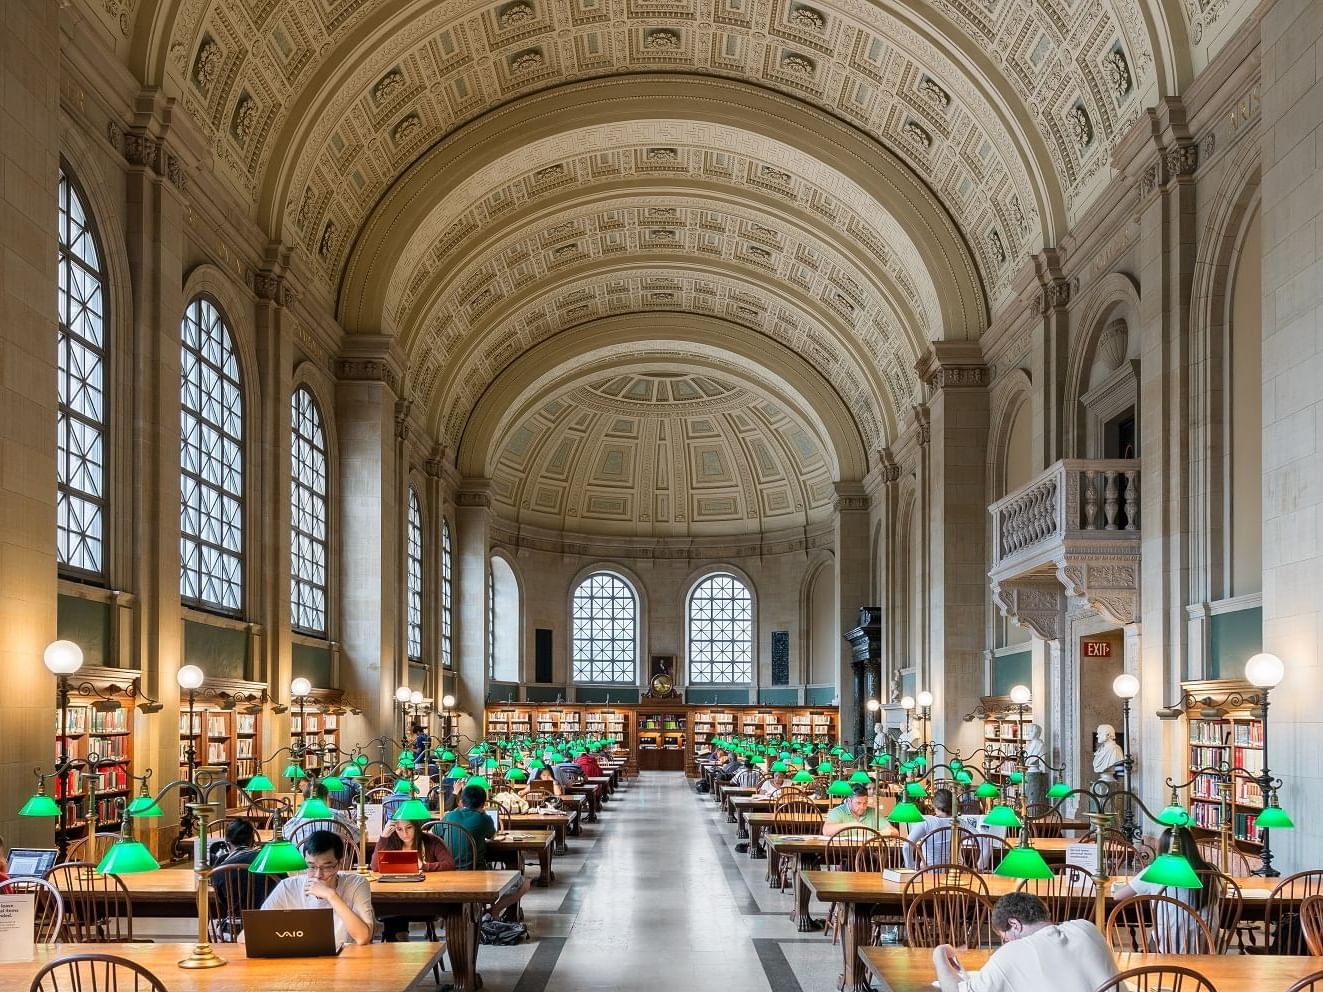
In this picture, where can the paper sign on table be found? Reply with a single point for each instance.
(1083, 855)
(373, 811)
(17, 915)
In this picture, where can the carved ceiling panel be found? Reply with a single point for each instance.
(662, 451)
(345, 95)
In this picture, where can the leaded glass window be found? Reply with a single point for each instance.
(604, 620)
(211, 462)
(447, 595)
(721, 631)
(308, 514)
(414, 554)
(80, 432)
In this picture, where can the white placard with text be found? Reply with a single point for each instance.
(17, 914)
(1084, 856)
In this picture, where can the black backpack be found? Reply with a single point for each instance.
(500, 933)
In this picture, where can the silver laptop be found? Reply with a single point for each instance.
(290, 933)
(24, 861)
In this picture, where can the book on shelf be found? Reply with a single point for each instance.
(75, 721)
(217, 752)
(246, 723)
(314, 723)
(217, 726)
(330, 722)
(1208, 732)
(1248, 734)
(295, 725)
(244, 748)
(108, 747)
(114, 722)
(184, 727)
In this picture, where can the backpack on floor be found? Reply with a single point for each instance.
(500, 933)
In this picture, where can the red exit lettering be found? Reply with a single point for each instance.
(1097, 649)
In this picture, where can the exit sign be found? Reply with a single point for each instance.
(1097, 649)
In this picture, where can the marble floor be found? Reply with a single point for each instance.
(654, 897)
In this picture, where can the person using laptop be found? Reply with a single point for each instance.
(472, 816)
(433, 855)
(346, 893)
(4, 862)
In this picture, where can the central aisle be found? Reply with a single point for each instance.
(664, 904)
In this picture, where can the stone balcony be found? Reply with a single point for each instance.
(1073, 531)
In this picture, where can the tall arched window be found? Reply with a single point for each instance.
(447, 595)
(604, 625)
(80, 432)
(211, 462)
(308, 516)
(503, 620)
(720, 631)
(414, 554)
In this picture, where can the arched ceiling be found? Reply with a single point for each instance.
(826, 185)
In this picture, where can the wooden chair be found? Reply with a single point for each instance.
(1158, 978)
(934, 876)
(982, 851)
(302, 831)
(1281, 937)
(843, 849)
(1069, 894)
(268, 808)
(1310, 983)
(94, 973)
(1043, 821)
(882, 852)
(48, 915)
(1239, 864)
(1311, 923)
(233, 889)
(949, 914)
(935, 848)
(1119, 855)
(1157, 924)
(463, 845)
(793, 816)
(1227, 904)
(81, 850)
(97, 908)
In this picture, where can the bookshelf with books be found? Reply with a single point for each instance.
(1227, 737)
(1003, 731)
(510, 721)
(94, 731)
(226, 742)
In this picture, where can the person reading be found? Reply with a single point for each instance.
(924, 835)
(433, 855)
(324, 886)
(856, 811)
(242, 845)
(1176, 933)
(1035, 953)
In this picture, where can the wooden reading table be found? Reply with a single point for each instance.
(560, 824)
(521, 843)
(384, 967)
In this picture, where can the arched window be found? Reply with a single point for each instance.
(308, 519)
(80, 432)
(503, 621)
(447, 595)
(211, 462)
(604, 623)
(720, 631)
(414, 553)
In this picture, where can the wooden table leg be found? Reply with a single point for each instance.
(804, 921)
(858, 922)
(544, 864)
(755, 835)
(461, 923)
(562, 848)
(742, 828)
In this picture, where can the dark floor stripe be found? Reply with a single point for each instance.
(780, 976)
(538, 971)
(739, 885)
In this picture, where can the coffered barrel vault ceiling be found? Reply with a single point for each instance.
(843, 180)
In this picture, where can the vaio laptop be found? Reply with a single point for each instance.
(290, 933)
(31, 861)
(398, 866)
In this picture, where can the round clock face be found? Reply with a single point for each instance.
(661, 684)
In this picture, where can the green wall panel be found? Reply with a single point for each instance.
(1234, 637)
(313, 663)
(219, 651)
(1009, 670)
(87, 624)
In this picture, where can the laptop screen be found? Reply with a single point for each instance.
(31, 860)
(495, 817)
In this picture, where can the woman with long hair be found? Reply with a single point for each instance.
(433, 855)
(1175, 934)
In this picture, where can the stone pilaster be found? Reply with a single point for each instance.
(852, 564)
(957, 381)
(473, 518)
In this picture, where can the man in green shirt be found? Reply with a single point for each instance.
(471, 817)
(856, 811)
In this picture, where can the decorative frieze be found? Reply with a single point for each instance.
(145, 151)
(368, 370)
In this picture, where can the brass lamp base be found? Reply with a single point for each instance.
(202, 957)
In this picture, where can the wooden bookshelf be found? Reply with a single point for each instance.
(1003, 730)
(107, 734)
(1234, 739)
(227, 742)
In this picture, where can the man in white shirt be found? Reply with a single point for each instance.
(771, 788)
(936, 846)
(1035, 953)
(324, 886)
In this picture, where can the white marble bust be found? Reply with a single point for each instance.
(1035, 760)
(1108, 753)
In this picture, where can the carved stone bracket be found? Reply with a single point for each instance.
(952, 364)
(1055, 295)
(368, 370)
(473, 498)
(1035, 602)
(1107, 583)
(273, 287)
(144, 150)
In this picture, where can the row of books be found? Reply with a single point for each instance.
(1248, 734)
(80, 720)
(1208, 731)
(113, 778)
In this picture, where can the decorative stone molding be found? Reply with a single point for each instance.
(388, 85)
(1182, 160)
(1109, 585)
(272, 287)
(952, 364)
(1055, 295)
(1117, 72)
(207, 64)
(1148, 180)
(479, 498)
(933, 91)
(1035, 602)
(368, 370)
(851, 503)
(923, 431)
(889, 469)
(145, 151)
(402, 410)
(1079, 127)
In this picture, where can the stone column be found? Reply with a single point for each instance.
(372, 535)
(30, 121)
(1292, 192)
(851, 579)
(957, 512)
(472, 547)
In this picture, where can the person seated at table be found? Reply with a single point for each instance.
(568, 773)
(471, 817)
(771, 788)
(924, 834)
(856, 811)
(338, 815)
(433, 855)
(1035, 953)
(545, 781)
(748, 777)
(346, 893)
(242, 845)
(1176, 933)
(728, 770)
(588, 763)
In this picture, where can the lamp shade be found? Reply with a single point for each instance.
(803, 775)
(402, 694)
(40, 805)
(1273, 818)
(1020, 695)
(300, 686)
(1023, 862)
(480, 781)
(315, 809)
(412, 809)
(987, 791)
(873, 705)
(779, 766)
(125, 857)
(1264, 670)
(1016, 778)
(352, 771)
(405, 760)
(333, 783)
(907, 702)
(277, 857)
(144, 805)
(447, 755)
(1125, 686)
(882, 759)
(260, 783)
(1001, 816)
(517, 775)
(839, 789)
(62, 657)
(189, 677)
(924, 698)
(919, 761)
(293, 771)
(860, 778)
(1174, 816)
(448, 701)
(905, 812)
(915, 790)
(1059, 790)
(1173, 870)
(964, 777)
(416, 698)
